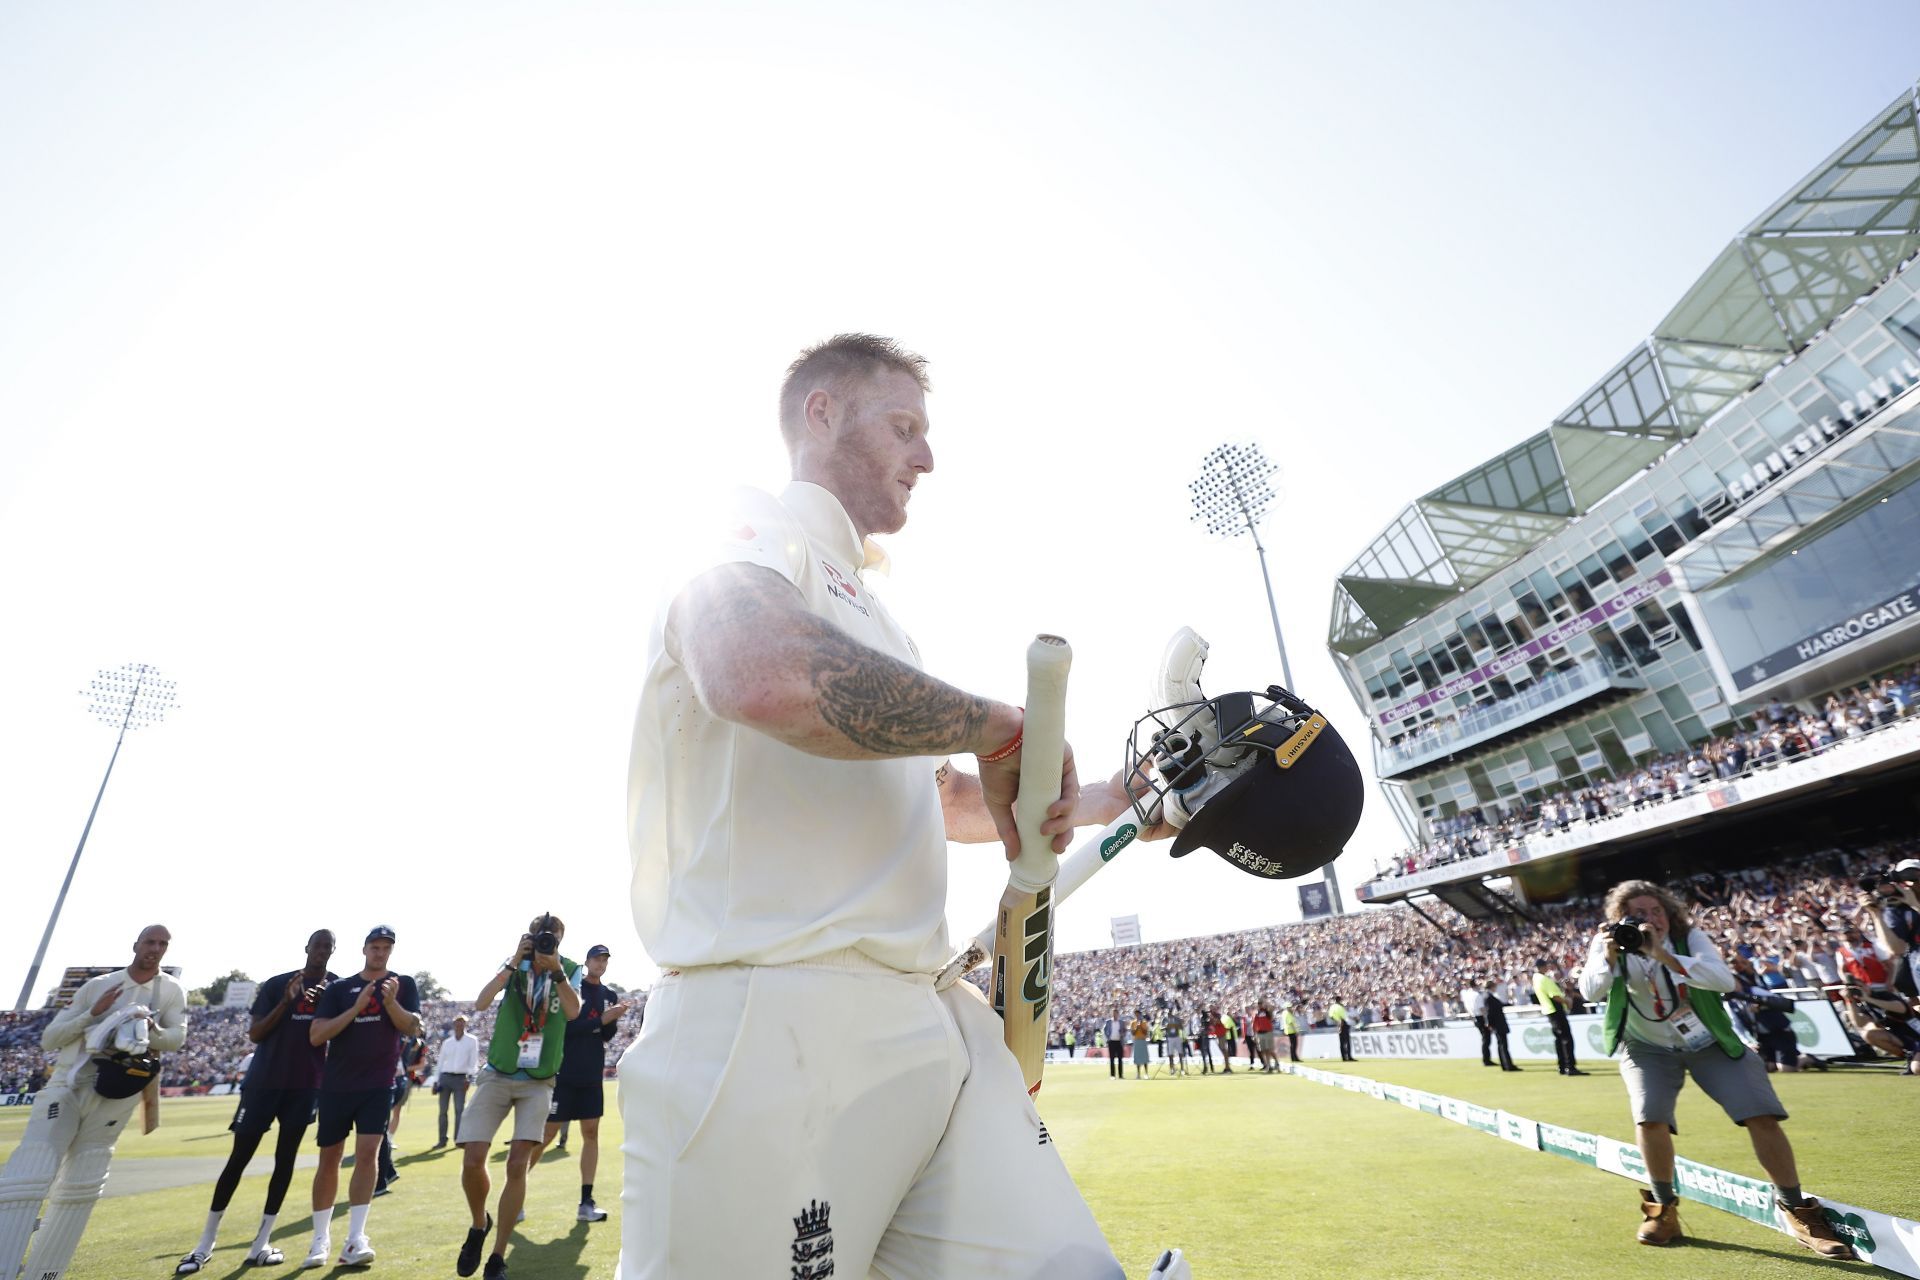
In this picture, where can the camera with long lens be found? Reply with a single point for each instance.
(545, 940)
(1763, 1000)
(1629, 933)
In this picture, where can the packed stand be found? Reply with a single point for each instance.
(1806, 922)
(1781, 732)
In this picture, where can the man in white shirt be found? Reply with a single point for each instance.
(1475, 1002)
(801, 1097)
(103, 1038)
(1663, 1012)
(454, 1066)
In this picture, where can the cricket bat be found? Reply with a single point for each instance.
(1023, 928)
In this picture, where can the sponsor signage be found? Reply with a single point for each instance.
(16, 1099)
(239, 995)
(1730, 1192)
(1805, 444)
(1314, 901)
(1520, 1131)
(1485, 1119)
(1571, 1143)
(1890, 612)
(1550, 639)
(1619, 1157)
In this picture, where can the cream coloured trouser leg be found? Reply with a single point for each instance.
(62, 1158)
(782, 1119)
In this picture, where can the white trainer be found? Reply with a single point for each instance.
(1171, 1266)
(591, 1212)
(192, 1263)
(358, 1253)
(317, 1254)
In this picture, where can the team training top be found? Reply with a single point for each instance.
(747, 851)
(363, 1055)
(287, 1058)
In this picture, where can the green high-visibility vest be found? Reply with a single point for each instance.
(1713, 1014)
(1289, 1023)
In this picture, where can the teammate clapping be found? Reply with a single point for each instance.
(282, 1084)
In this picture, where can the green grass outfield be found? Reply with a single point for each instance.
(1252, 1175)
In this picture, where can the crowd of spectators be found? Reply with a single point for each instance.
(1780, 732)
(1799, 923)
(1389, 965)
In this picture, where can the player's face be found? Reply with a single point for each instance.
(378, 952)
(151, 947)
(1649, 909)
(880, 450)
(596, 967)
(320, 949)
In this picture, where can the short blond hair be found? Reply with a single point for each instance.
(1679, 921)
(833, 364)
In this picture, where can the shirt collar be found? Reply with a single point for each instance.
(826, 522)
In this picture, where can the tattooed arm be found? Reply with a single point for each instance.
(760, 658)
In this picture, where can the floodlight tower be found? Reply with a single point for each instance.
(132, 697)
(1231, 494)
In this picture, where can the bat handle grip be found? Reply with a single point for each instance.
(1042, 754)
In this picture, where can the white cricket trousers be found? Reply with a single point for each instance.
(836, 1118)
(70, 1134)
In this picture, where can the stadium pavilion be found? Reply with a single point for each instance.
(1729, 517)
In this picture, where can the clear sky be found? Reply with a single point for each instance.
(364, 368)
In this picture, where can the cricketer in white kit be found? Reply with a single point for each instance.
(802, 1102)
(64, 1154)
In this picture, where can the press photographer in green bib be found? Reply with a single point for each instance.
(1662, 980)
(539, 998)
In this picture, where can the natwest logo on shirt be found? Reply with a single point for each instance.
(841, 589)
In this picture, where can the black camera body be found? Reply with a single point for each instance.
(1629, 933)
(1871, 882)
(545, 940)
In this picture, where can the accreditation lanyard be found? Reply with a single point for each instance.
(1675, 993)
(534, 1023)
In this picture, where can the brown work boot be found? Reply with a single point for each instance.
(1811, 1228)
(1661, 1224)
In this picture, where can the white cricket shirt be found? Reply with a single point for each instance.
(747, 851)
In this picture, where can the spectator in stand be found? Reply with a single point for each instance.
(282, 1086)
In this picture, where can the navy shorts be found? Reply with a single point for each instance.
(361, 1110)
(260, 1108)
(576, 1102)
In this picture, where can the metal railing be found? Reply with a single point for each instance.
(1442, 738)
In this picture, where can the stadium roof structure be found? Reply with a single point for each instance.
(1809, 257)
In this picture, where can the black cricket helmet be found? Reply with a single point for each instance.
(1263, 780)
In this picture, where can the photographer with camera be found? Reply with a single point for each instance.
(523, 1059)
(108, 1039)
(1884, 1021)
(1662, 980)
(1893, 895)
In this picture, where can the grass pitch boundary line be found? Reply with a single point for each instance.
(1888, 1242)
